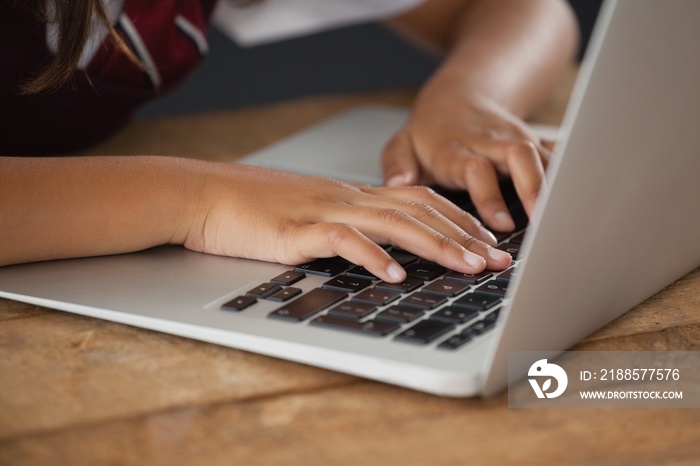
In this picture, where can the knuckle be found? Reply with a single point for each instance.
(469, 242)
(425, 192)
(429, 212)
(443, 242)
(522, 149)
(422, 211)
(532, 192)
(453, 144)
(450, 150)
(338, 233)
(393, 217)
(469, 217)
(477, 164)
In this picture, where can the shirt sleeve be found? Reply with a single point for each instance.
(273, 20)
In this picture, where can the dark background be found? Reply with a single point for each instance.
(361, 58)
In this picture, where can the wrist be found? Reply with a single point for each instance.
(447, 97)
(188, 188)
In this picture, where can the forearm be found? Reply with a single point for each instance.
(82, 206)
(73, 207)
(506, 52)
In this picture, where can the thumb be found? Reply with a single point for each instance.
(399, 163)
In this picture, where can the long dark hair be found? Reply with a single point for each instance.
(73, 20)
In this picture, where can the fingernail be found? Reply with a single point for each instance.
(504, 220)
(498, 255)
(398, 180)
(474, 260)
(487, 236)
(396, 273)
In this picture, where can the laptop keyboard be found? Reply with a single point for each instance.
(432, 305)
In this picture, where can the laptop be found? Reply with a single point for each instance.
(619, 220)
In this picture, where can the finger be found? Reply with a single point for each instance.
(425, 213)
(426, 197)
(498, 150)
(482, 184)
(524, 161)
(460, 168)
(399, 163)
(448, 163)
(341, 239)
(397, 227)
(527, 172)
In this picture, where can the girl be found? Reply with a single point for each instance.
(72, 72)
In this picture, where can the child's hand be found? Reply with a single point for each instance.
(282, 217)
(503, 60)
(460, 143)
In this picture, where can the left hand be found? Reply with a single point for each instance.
(464, 142)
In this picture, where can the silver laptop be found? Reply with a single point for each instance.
(619, 221)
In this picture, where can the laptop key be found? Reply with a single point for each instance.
(264, 290)
(446, 287)
(376, 297)
(455, 315)
(458, 340)
(425, 331)
(406, 286)
(484, 325)
(470, 278)
(478, 328)
(400, 314)
(466, 335)
(402, 257)
(324, 267)
(517, 238)
(285, 294)
(508, 274)
(491, 318)
(479, 301)
(352, 310)
(371, 327)
(501, 235)
(495, 287)
(288, 278)
(511, 248)
(308, 305)
(348, 284)
(359, 271)
(239, 303)
(423, 300)
(425, 271)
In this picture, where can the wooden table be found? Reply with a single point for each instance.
(76, 390)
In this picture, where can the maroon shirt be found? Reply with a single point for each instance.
(166, 36)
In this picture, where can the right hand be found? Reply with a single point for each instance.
(458, 144)
(276, 216)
